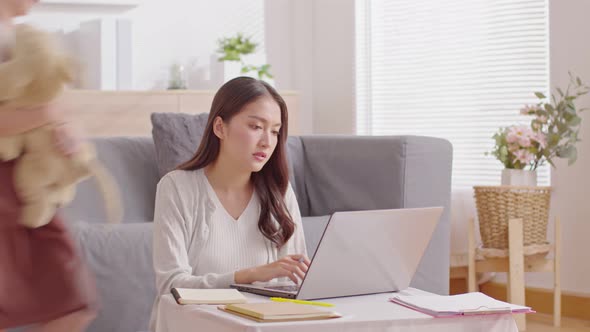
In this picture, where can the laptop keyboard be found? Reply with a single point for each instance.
(288, 288)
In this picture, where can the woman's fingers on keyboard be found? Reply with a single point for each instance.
(300, 259)
(293, 270)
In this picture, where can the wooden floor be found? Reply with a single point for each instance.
(544, 323)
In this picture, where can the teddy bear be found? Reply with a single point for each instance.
(35, 75)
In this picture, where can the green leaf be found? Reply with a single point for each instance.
(571, 109)
(560, 92)
(553, 139)
(567, 151)
(503, 154)
(573, 156)
(574, 121)
(575, 136)
(579, 81)
(549, 108)
(540, 95)
(232, 48)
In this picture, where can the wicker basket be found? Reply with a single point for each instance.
(498, 204)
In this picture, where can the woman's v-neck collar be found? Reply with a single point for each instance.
(220, 205)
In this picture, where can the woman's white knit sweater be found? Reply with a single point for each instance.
(198, 244)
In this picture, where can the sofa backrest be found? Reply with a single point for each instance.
(349, 173)
(329, 173)
(131, 161)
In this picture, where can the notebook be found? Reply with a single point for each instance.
(207, 296)
(475, 303)
(278, 311)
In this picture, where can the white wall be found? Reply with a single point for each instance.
(333, 67)
(303, 63)
(316, 39)
(165, 32)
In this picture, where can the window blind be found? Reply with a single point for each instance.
(455, 69)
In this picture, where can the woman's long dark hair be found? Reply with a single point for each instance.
(272, 180)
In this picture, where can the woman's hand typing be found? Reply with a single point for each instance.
(292, 266)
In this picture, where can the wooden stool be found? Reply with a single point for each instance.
(516, 263)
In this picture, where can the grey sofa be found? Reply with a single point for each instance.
(329, 173)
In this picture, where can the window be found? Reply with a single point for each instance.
(455, 69)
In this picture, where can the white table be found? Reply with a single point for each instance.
(360, 313)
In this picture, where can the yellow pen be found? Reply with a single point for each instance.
(280, 299)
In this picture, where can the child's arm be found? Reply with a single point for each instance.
(14, 122)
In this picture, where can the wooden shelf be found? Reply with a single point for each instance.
(127, 113)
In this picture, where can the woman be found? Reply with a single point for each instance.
(229, 215)
(43, 282)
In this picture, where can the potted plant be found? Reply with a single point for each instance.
(177, 79)
(552, 133)
(234, 49)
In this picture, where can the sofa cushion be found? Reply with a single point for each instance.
(176, 138)
(120, 258)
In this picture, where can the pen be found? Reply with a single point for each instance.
(280, 299)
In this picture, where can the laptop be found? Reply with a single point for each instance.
(361, 252)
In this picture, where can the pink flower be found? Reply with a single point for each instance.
(521, 135)
(541, 139)
(512, 136)
(524, 156)
(524, 141)
(513, 147)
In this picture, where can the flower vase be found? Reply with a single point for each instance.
(519, 177)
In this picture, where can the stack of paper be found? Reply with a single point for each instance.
(207, 296)
(456, 305)
(278, 311)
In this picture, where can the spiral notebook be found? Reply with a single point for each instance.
(475, 303)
